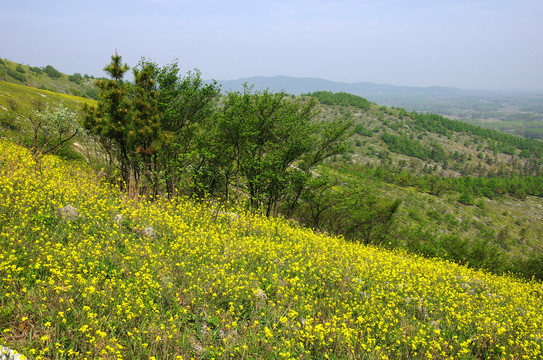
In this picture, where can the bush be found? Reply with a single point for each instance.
(17, 75)
(531, 267)
(93, 93)
(8, 121)
(20, 69)
(361, 130)
(36, 70)
(466, 198)
(76, 78)
(52, 72)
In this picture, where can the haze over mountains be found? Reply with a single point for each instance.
(513, 111)
(379, 93)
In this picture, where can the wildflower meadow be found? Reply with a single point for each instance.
(220, 283)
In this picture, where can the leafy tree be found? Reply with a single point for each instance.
(349, 209)
(186, 104)
(53, 129)
(148, 127)
(274, 143)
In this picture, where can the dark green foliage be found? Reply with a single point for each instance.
(532, 267)
(52, 72)
(148, 127)
(76, 78)
(189, 151)
(360, 129)
(504, 142)
(487, 255)
(273, 144)
(109, 120)
(466, 198)
(93, 93)
(403, 145)
(20, 69)
(516, 186)
(455, 248)
(165, 135)
(341, 98)
(16, 75)
(349, 210)
(477, 253)
(36, 70)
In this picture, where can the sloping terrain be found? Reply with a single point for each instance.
(453, 179)
(207, 282)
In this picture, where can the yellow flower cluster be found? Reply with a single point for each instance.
(221, 283)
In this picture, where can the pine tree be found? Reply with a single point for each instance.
(109, 120)
(144, 133)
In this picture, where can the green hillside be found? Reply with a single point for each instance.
(419, 182)
(48, 78)
(205, 282)
(168, 221)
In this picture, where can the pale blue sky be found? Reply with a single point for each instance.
(494, 44)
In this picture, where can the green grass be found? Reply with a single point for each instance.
(42, 81)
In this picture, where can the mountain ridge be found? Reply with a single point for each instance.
(510, 111)
(298, 85)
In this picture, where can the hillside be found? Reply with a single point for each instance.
(206, 282)
(453, 179)
(467, 194)
(48, 78)
(513, 112)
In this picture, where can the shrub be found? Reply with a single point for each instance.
(466, 198)
(17, 75)
(76, 78)
(52, 72)
(360, 129)
(8, 121)
(36, 70)
(92, 93)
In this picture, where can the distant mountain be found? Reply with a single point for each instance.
(371, 91)
(515, 112)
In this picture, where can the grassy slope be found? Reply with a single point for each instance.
(520, 221)
(42, 81)
(17, 103)
(217, 285)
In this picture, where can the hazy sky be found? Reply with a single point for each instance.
(481, 44)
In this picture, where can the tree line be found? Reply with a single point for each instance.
(340, 98)
(503, 142)
(173, 134)
(490, 187)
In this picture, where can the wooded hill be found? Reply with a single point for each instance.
(401, 179)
